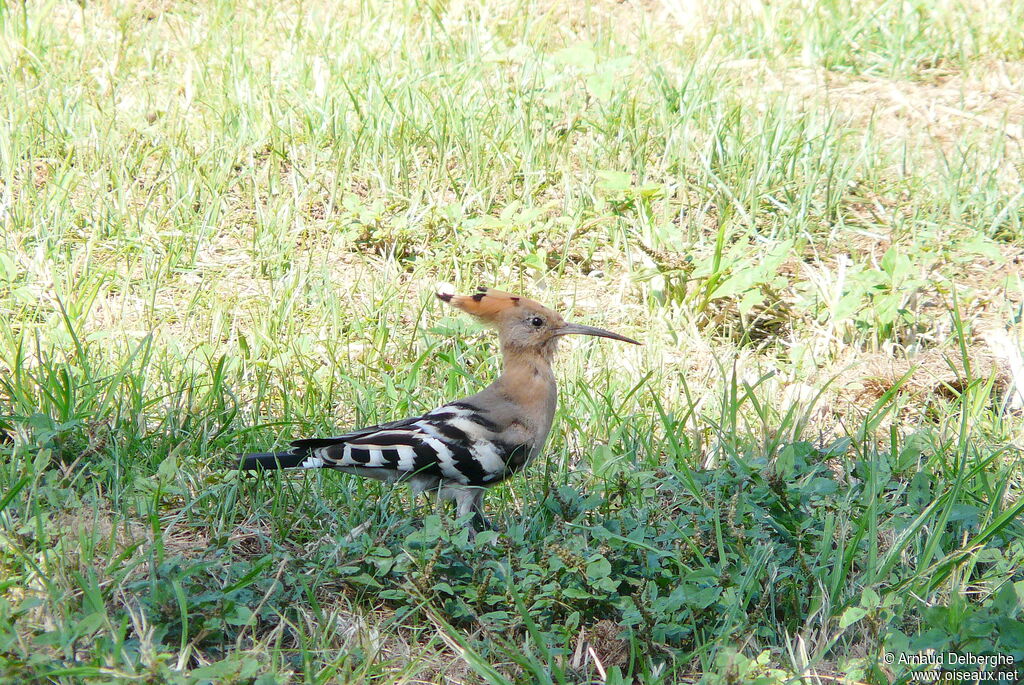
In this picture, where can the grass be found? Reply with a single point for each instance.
(222, 223)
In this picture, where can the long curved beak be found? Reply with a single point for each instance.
(579, 329)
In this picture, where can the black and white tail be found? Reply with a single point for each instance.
(270, 460)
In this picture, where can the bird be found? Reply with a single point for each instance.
(468, 445)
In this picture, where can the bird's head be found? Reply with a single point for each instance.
(524, 325)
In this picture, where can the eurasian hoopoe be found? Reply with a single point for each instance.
(465, 446)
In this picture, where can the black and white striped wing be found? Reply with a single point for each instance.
(453, 443)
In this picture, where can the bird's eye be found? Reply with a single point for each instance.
(537, 322)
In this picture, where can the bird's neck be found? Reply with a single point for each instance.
(527, 378)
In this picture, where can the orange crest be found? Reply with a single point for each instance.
(486, 303)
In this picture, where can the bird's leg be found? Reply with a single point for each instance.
(480, 520)
(428, 504)
(470, 500)
(430, 488)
